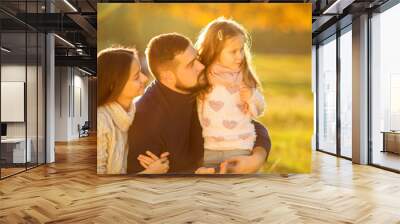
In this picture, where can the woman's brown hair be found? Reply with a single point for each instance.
(211, 42)
(113, 71)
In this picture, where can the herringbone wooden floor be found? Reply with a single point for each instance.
(69, 191)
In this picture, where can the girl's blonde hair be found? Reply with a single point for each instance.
(211, 41)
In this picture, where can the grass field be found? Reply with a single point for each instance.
(286, 81)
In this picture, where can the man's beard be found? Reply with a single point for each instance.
(200, 85)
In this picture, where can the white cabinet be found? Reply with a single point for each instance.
(18, 149)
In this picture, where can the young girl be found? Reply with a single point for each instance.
(119, 81)
(233, 98)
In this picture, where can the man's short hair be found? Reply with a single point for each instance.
(162, 49)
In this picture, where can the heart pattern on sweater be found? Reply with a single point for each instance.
(232, 89)
(206, 122)
(229, 124)
(245, 136)
(216, 105)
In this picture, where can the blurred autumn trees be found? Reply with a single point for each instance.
(275, 28)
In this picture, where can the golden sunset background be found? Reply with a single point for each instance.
(281, 49)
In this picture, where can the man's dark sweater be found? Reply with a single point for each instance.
(167, 121)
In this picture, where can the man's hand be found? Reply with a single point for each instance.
(154, 164)
(245, 164)
(160, 166)
(146, 160)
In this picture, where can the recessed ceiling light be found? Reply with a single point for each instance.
(70, 5)
(5, 50)
(337, 7)
(64, 40)
(86, 72)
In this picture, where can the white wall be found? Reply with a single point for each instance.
(61, 103)
(80, 100)
(33, 127)
(10, 73)
(50, 94)
(71, 93)
(16, 73)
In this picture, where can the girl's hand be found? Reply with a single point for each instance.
(205, 170)
(160, 166)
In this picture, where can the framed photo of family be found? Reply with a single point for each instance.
(204, 88)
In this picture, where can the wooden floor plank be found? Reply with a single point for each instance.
(70, 191)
